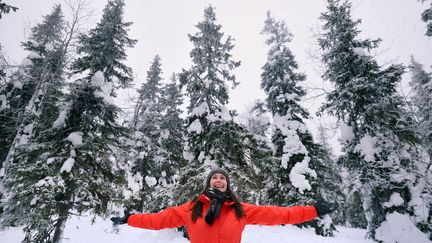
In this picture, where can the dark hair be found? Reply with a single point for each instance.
(198, 205)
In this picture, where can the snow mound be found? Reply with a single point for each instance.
(398, 228)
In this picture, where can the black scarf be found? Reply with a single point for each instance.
(217, 199)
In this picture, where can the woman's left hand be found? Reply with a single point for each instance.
(121, 220)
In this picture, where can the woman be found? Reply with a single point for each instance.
(224, 215)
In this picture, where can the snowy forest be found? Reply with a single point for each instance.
(67, 148)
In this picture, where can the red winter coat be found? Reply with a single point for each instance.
(226, 228)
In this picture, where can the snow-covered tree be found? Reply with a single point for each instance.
(260, 151)
(73, 168)
(213, 138)
(280, 80)
(299, 158)
(152, 163)
(171, 139)
(421, 83)
(30, 95)
(4, 8)
(172, 126)
(38, 78)
(330, 176)
(381, 150)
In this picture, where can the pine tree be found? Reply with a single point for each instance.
(75, 169)
(213, 138)
(382, 157)
(299, 162)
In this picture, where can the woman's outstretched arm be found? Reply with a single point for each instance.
(275, 215)
(171, 217)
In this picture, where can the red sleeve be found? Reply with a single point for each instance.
(274, 215)
(172, 217)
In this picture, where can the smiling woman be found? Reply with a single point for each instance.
(219, 181)
(225, 216)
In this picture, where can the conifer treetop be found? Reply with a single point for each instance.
(207, 79)
(104, 47)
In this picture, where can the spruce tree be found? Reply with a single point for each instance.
(382, 156)
(172, 124)
(75, 168)
(30, 95)
(213, 138)
(421, 83)
(260, 154)
(171, 139)
(330, 179)
(151, 162)
(31, 91)
(299, 159)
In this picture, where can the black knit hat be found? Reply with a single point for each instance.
(215, 171)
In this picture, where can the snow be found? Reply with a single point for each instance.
(195, 126)
(26, 132)
(18, 84)
(366, 147)
(150, 181)
(201, 156)
(33, 55)
(98, 80)
(297, 175)
(360, 51)
(26, 62)
(3, 102)
(395, 200)
(398, 228)
(75, 138)
(34, 200)
(50, 160)
(347, 133)
(187, 155)
(80, 229)
(62, 116)
(67, 165)
(49, 182)
(200, 110)
(222, 115)
(23, 139)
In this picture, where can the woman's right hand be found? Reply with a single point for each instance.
(121, 220)
(322, 207)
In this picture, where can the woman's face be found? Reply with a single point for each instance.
(219, 181)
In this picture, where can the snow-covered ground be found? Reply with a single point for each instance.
(81, 230)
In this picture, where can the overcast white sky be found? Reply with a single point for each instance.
(161, 27)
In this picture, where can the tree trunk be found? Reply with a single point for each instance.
(59, 227)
